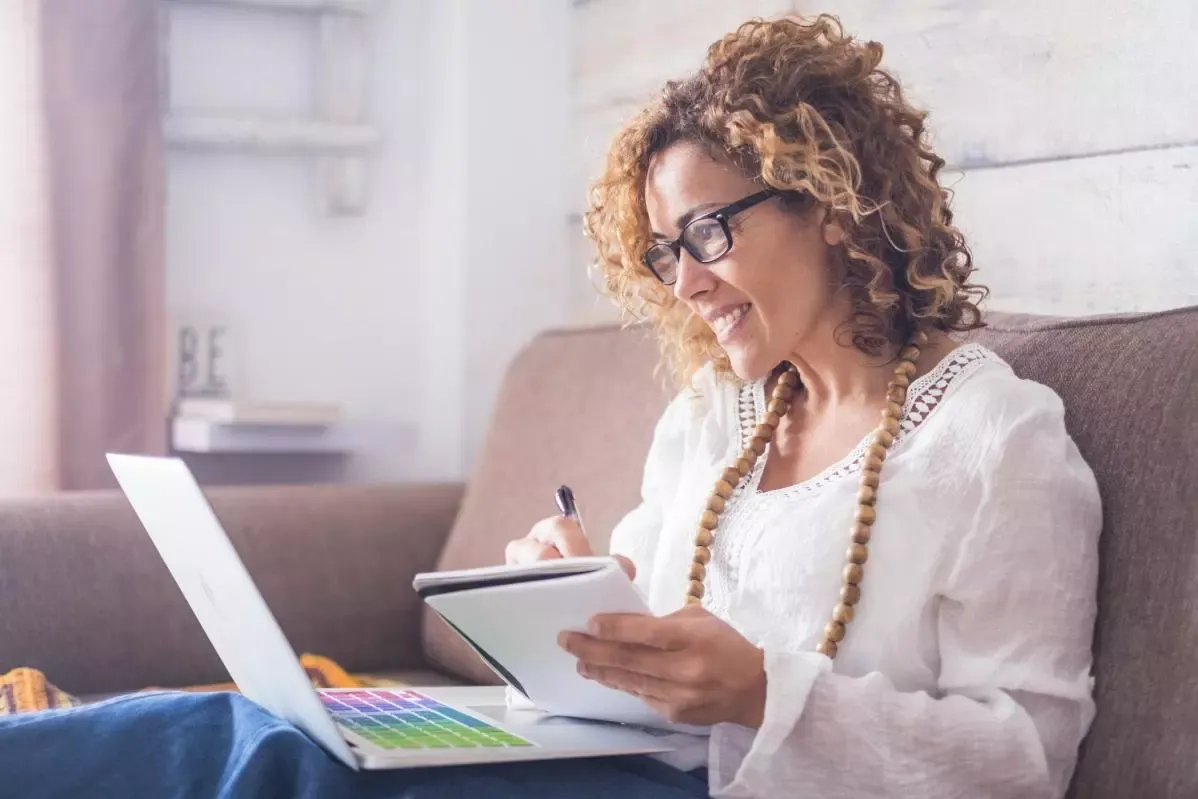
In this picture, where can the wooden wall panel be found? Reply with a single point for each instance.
(1017, 80)
(1089, 235)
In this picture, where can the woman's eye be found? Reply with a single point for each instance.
(706, 231)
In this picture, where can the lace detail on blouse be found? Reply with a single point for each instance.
(923, 396)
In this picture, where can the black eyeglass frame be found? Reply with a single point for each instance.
(723, 216)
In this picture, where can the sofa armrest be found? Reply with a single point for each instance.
(85, 598)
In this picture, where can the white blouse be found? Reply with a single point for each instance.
(966, 671)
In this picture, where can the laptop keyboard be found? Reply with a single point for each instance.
(402, 719)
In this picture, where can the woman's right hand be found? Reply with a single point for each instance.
(556, 537)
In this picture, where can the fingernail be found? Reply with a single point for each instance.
(563, 640)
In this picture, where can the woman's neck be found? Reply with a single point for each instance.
(833, 374)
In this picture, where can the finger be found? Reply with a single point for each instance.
(626, 657)
(636, 628)
(665, 694)
(564, 534)
(528, 550)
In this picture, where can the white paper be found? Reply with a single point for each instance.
(518, 626)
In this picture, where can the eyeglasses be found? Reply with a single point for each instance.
(707, 238)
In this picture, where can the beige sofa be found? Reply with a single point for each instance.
(84, 597)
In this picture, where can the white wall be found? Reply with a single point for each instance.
(518, 254)
(27, 408)
(408, 313)
(1072, 127)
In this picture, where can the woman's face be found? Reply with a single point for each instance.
(772, 290)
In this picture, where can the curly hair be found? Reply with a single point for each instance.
(805, 109)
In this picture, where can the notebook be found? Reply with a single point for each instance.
(512, 616)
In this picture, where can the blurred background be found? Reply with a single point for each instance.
(301, 240)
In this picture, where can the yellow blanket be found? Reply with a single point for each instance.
(26, 690)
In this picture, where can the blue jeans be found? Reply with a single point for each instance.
(222, 745)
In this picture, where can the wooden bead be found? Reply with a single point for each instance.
(870, 479)
(788, 378)
(693, 600)
(853, 573)
(857, 553)
(865, 514)
(702, 555)
(850, 594)
(723, 488)
(827, 648)
(891, 425)
(919, 338)
(731, 475)
(900, 380)
(834, 632)
(783, 392)
(698, 571)
(757, 444)
(716, 503)
(763, 431)
(778, 406)
(877, 450)
(772, 420)
(743, 465)
(872, 463)
(861, 533)
(867, 495)
(884, 438)
(695, 589)
(896, 395)
(893, 411)
(708, 520)
(905, 368)
(909, 353)
(703, 537)
(843, 613)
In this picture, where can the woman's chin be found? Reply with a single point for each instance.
(748, 365)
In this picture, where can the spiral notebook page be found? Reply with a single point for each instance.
(516, 627)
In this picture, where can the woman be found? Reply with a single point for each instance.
(871, 551)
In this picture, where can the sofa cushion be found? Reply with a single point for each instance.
(579, 408)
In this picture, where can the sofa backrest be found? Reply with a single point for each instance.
(579, 407)
(1130, 388)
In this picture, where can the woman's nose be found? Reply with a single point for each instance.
(694, 277)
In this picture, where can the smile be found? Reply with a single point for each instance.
(725, 324)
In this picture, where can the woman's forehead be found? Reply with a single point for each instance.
(685, 175)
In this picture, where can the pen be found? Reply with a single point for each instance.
(566, 504)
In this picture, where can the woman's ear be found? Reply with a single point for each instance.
(833, 234)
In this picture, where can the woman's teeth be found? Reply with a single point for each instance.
(726, 321)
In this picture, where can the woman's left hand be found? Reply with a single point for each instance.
(690, 666)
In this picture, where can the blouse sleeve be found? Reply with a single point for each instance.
(1016, 607)
(636, 535)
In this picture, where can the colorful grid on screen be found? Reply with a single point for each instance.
(401, 719)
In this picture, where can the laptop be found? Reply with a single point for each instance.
(368, 728)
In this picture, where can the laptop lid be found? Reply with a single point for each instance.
(223, 596)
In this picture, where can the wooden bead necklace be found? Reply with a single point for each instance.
(863, 520)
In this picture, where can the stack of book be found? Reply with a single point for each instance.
(218, 424)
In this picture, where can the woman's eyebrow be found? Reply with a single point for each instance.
(687, 217)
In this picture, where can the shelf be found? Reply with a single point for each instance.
(201, 435)
(302, 6)
(267, 136)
